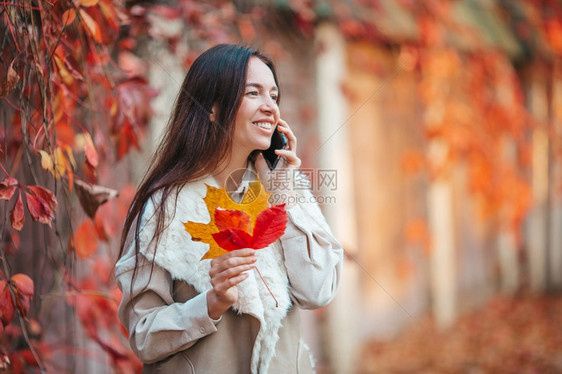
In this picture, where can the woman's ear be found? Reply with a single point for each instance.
(212, 115)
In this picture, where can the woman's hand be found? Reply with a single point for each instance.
(226, 272)
(279, 181)
(289, 154)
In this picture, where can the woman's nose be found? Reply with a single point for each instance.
(269, 105)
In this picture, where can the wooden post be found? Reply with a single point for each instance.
(508, 261)
(443, 282)
(342, 343)
(506, 245)
(538, 224)
(555, 239)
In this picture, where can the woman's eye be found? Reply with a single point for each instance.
(252, 93)
(274, 97)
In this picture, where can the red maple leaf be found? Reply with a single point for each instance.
(24, 284)
(270, 225)
(23, 288)
(232, 239)
(6, 305)
(7, 188)
(16, 215)
(92, 159)
(41, 204)
(85, 239)
(232, 219)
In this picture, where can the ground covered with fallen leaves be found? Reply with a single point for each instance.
(507, 335)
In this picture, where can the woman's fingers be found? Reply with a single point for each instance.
(291, 138)
(222, 287)
(289, 154)
(229, 269)
(232, 260)
(290, 157)
(227, 275)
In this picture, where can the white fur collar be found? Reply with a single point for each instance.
(181, 256)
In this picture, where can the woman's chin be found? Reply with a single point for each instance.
(262, 146)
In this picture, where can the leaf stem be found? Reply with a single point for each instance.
(4, 170)
(271, 293)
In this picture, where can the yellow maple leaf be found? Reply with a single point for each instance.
(254, 201)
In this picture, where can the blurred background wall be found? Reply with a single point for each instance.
(441, 124)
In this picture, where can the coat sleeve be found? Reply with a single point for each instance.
(158, 327)
(313, 257)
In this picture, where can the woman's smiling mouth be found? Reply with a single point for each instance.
(263, 125)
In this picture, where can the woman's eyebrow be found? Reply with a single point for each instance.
(260, 86)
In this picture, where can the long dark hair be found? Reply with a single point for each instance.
(193, 146)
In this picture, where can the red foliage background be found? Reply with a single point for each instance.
(73, 102)
(69, 111)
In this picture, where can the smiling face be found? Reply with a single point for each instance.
(258, 113)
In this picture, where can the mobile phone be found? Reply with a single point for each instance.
(278, 141)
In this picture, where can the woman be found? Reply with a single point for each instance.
(185, 314)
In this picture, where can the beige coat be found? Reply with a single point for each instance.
(165, 310)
